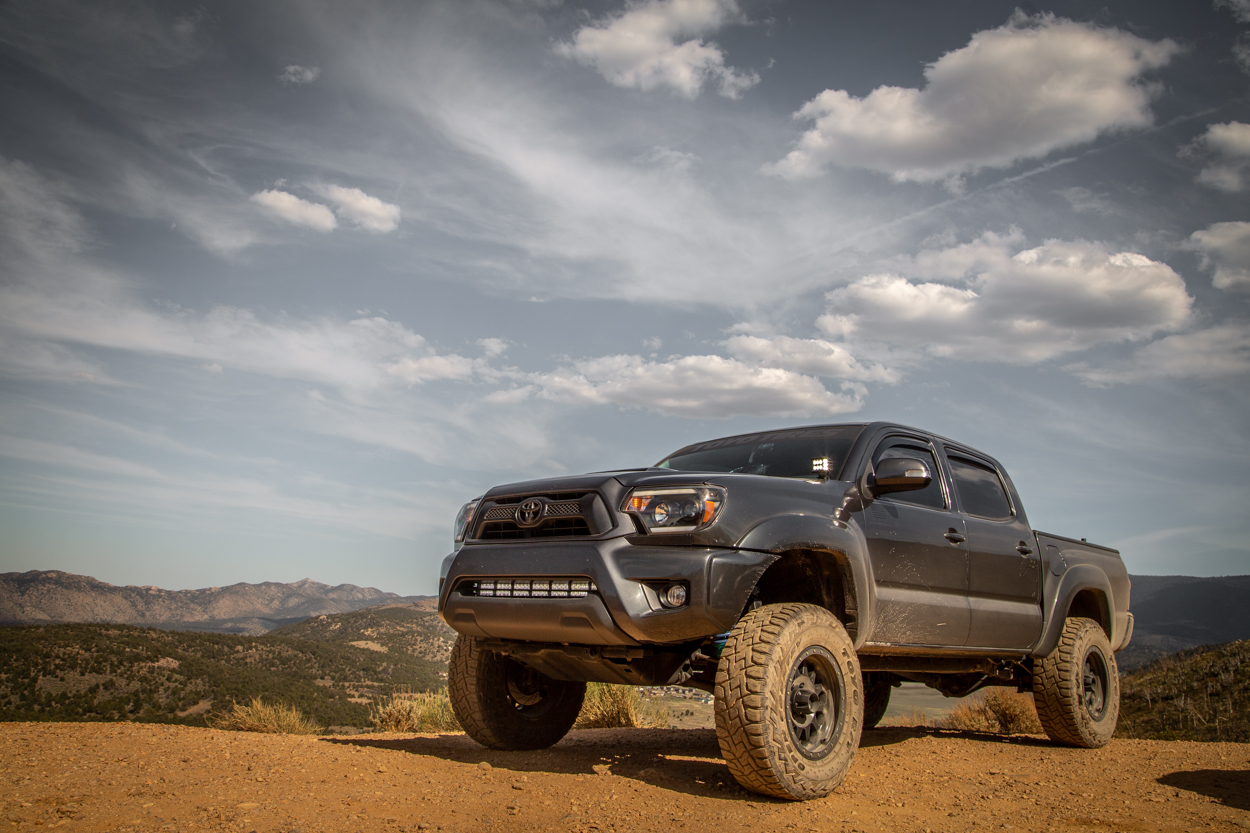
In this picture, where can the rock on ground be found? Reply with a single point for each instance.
(137, 777)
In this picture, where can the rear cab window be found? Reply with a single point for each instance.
(980, 488)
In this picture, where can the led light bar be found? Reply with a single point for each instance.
(525, 588)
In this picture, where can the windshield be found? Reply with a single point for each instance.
(775, 453)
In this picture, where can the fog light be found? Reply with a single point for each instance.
(675, 595)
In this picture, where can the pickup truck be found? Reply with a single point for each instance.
(796, 574)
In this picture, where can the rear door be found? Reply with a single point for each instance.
(1004, 570)
(920, 565)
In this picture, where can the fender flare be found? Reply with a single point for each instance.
(1074, 580)
(821, 534)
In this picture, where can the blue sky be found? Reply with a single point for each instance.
(284, 284)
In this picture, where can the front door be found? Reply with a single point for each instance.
(919, 562)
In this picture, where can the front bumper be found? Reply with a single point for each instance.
(624, 611)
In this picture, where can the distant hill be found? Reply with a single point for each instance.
(393, 629)
(49, 596)
(1199, 694)
(1173, 613)
(117, 672)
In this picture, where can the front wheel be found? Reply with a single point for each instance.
(1077, 688)
(789, 701)
(503, 704)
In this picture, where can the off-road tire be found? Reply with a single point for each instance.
(503, 704)
(1075, 710)
(774, 652)
(877, 689)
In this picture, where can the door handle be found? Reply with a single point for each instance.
(954, 537)
(1023, 549)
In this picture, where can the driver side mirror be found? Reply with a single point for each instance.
(899, 474)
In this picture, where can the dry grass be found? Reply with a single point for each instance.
(996, 710)
(618, 707)
(918, 718)
(269, 718)
(415, 711)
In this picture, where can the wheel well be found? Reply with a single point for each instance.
(1092, 604)
(812, 577)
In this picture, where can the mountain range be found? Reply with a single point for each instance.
(1172, 613)
(41, 597)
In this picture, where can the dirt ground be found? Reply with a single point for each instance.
(129, 777)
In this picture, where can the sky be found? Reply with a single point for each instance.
(284, 284)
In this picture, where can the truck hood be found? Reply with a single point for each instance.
(611, 481)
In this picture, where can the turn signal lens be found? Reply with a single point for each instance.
(464, 520)
(675, 509)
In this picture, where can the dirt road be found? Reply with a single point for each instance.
(119, 777)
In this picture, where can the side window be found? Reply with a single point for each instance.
(980, 490)
(931, 496)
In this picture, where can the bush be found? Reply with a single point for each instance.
(996, 710)
(420, 711)
(259, 716)
(618, 707)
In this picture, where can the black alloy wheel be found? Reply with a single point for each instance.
(812, 705)
(1094, 683)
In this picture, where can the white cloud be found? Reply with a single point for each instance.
(1083, 200)
(1016, 92)
(363, 210)
(696, 386)
(1230, 144)
(808, 355)
(1239, 8)
(1000, 304)
(430, 368)
(296, 74)
(1226, 246)
(296, 211)
(1217, 352)
(643, 47)
(493, 346)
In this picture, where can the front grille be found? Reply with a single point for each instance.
(557, 528)
(528, 588)
(558, 515)
(554, 510)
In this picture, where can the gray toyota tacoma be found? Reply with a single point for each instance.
(798, 575)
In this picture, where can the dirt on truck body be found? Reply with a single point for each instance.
(798, 575)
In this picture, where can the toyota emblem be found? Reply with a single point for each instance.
(529, 512)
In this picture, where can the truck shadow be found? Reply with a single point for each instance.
(681, 760)
(888, 735)
(1230, 787)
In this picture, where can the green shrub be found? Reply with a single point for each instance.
(259, 716)
(421, 711)
(618, 707)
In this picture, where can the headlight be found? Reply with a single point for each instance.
(464, 520)
(675, 509)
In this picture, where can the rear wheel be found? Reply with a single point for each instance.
(1077, 688)
(876, 697)
(503, 704)
(789, 701)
